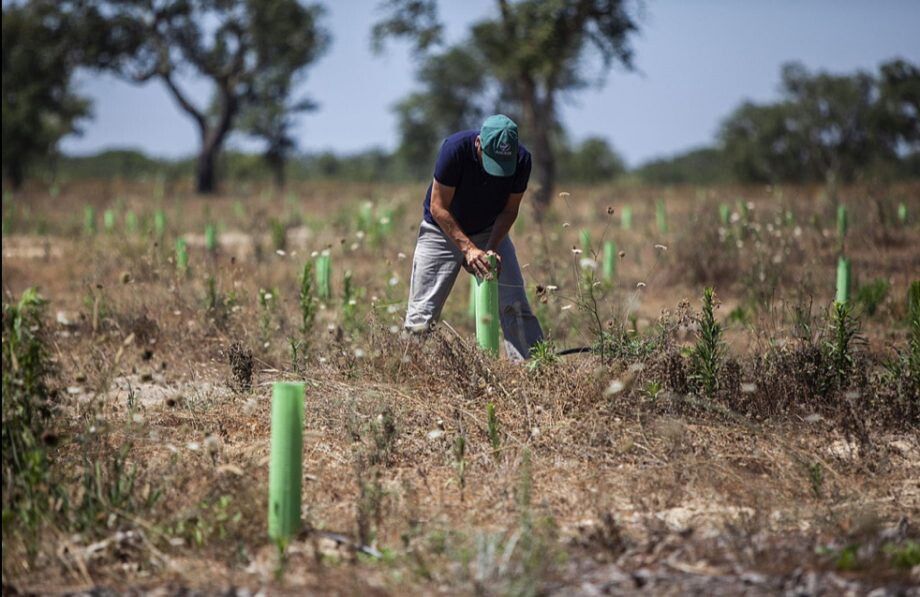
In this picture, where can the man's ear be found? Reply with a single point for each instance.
(478, 142)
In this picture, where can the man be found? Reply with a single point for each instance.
(479, 181)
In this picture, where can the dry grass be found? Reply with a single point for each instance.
(611, 473)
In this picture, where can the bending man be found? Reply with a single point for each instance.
(479, 182)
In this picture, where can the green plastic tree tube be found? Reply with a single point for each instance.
(210, 238)
(366, 216)
(471, 309)
(724, 213)
(285, 470)
(610, 260)
(585, 237)
(487, 309)
(131, 222)
(842, 221)
(108, 220)
(181, 255)
(89, 220)
(902, 213)
(626, 218)
(159, 223)
(661, 217)
(843, 280)
(324, 276)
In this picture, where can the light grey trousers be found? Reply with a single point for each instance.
(435, 266)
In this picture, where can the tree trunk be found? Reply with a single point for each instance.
(276, 165)
(205, 175)
(539, 121)
(14, 173)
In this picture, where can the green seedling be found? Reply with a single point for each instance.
(495, 439)
(487, 322)
(307, 299)
(286, 461)
(708, 352)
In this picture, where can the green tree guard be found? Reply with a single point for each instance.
(843, 280)
(487, 309)
(131, 223)
(626, 218)
(159, 223)
(89, 220)
(724, 213)
(661, 217)
(324, 276)
(842, 221)
(366, 216)
(181, 255)
(902, 213)
(471, 309)
(585, 237)
(610, 260)
(285, 470)
(108, 220)
(210, 238)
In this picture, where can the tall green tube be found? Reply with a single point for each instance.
(210, 238)
(181, 255)
(585, 237)
(324, 276)
(626, 218)
(724, 213)
(89, 220)
(159, 223)
(843, 280)
(108, 220)
(487, 309)
(661, 217)
(842, 221)
(902, 213)
(471, 309)
(285, 470)
(610, 260)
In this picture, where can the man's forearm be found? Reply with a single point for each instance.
(451, 228)
(500, 229)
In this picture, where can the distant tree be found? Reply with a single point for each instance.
(823, 129)
(452, 99)
(535, 50)
(234, 43)
(39, 104)
(700, 166)
(898, 106)
(591, 161)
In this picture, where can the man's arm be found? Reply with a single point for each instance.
(441, 198)
(504, 221)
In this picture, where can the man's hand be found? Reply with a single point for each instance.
(476, 261)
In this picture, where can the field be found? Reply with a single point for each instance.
(767, 444)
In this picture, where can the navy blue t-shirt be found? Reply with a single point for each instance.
(479, 197)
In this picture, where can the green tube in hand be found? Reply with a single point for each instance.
(487, 309)
(286, 464)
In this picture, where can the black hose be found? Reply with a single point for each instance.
(577, 350)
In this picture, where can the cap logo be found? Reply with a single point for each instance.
(504, 149)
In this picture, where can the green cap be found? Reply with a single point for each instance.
(499, 139)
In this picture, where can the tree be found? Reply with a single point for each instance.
(452, 99)
(591, 161)
(823, 128)
(234, 43)
(39, 105)
(535, 50)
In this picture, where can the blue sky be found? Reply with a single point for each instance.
(696, 60)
